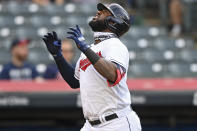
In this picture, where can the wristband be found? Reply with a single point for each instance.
(92, 56)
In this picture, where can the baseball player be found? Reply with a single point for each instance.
(101, 71)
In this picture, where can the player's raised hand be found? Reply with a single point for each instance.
(77, 36)
(52, 43)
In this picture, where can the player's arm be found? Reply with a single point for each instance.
(106, 68)
(53, 45)
(67, 72)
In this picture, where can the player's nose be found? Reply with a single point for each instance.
(98, 12)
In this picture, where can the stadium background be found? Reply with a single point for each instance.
(161, 77)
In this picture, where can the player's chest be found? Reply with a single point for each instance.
(84, 62)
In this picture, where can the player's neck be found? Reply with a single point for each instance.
(97, 41)
(104, 35)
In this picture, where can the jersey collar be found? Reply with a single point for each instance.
(101, 36)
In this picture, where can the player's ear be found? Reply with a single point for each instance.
(109, 22)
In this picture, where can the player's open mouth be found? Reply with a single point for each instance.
(95, 18)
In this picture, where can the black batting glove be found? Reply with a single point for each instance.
(53, 44)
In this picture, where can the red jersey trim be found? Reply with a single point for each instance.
(119, 77)
(120, 74)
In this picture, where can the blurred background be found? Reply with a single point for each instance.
(162, 75)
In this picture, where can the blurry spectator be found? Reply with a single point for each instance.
(46, 2)
(124, 3)
(58, 2)
(18, 69)
(68, 53)
(131, 3)
(41, 2)
(176, 17)
(68, 50)
(86, 1)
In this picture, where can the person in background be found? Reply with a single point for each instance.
(176, 17)
(41, 2)
(68, 53)
(18, 68)
(46, 2)
(58, 2)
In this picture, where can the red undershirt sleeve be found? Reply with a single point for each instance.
(120, 74)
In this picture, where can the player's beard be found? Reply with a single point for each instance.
(98, 25)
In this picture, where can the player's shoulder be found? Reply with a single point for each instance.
(117, 43)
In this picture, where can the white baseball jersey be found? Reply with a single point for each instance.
(97, 95)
